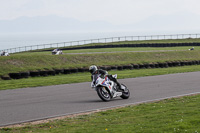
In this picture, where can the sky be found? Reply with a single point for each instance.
(114, 12)
(107, 18)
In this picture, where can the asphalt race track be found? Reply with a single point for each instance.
(30, 104)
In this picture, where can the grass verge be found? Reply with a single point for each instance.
(85, 77)
(177, 115)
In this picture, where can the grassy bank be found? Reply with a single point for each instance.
(21, 62)
(85, 77)
(177, 115)
(122, 49)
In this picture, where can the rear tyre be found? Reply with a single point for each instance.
(125, 93)
(103, 94)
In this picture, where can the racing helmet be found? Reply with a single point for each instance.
(92, 69)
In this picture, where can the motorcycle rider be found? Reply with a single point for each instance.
(94, 70)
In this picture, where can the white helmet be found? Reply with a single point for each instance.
(92, 68)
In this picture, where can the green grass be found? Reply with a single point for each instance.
(21, 62)
(173, 115)
(40, 61)
(122, 49)
(177, 115)
(85, 77)
(130, 49)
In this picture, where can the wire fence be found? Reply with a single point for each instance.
(101, 40)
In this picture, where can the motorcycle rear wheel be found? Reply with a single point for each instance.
(126, 93)
(103, 94)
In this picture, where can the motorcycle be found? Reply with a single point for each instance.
(5, 54)
(56, 52)
(108, 89)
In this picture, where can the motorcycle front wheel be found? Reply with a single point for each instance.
(103, 94)
(125, 93)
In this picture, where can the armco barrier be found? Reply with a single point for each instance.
(76, 70)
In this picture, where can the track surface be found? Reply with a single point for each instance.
(124, 51)
(29, 104)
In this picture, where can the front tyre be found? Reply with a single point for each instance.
(125, 93)
(103, 94)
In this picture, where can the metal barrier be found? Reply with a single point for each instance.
(101, 40)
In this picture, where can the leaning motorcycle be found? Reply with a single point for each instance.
(108, 89)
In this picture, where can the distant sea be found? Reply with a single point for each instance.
(14, 40)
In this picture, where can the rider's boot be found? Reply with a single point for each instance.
(119, 86)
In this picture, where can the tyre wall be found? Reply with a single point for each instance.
(132, 45)
(54, 72)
